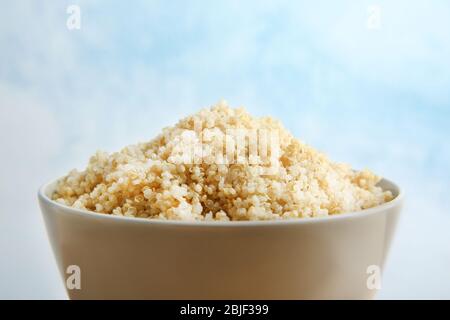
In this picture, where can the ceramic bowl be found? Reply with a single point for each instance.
(116, 257)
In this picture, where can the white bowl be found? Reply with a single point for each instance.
(131, 258)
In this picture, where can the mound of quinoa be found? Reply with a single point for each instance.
(148, 180)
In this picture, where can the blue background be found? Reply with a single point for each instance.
(376, 98)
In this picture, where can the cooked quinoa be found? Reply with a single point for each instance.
(155, 180)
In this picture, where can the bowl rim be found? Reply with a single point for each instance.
(394, 188)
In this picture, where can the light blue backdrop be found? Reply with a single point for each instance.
(375, 96)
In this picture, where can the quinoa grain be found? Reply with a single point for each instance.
(155, 180)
